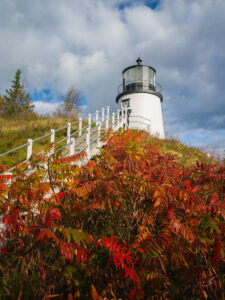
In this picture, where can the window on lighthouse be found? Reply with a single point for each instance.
(125, 103)
(151, 77)
(139, 74)
(132, 75)
(127, 77)
(145, 78)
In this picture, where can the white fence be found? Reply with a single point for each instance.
(88, 136)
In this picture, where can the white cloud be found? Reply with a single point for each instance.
(87, 44)
(42, 107)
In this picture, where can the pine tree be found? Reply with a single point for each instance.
(1, 104)
(16, 99)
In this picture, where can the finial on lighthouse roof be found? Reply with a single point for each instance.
(139, 61)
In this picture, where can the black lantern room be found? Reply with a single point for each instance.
(138, 78)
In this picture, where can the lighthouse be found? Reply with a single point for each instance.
(140, 95)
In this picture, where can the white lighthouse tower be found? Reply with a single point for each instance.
(140, 93)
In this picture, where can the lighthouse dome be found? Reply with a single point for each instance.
(139, 78)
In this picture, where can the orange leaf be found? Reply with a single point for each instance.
(157, 194)
(70, 297)
(50, 296)
(157, 202)
(94, 293)
(98, 205)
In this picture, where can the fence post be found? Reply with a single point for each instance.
(118, 118)
(107, 123)
(99, 133)
(122, 118)
(68, 132)
(52, 135)
(29, 148)
(125, 117)
(89, 127)
(80, 126)
(88, 144)
(96, 118)
(103, 114)
(113, 121)
(72, 146)
(89, 120)
(108, 111)
(52, 141)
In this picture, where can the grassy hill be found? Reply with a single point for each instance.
(14, 133)
(184, 154)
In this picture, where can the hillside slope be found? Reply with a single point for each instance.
(184, 154)
(14, 133)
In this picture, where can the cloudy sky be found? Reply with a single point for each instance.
(87, 43)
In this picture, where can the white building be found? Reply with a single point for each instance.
(139, 92)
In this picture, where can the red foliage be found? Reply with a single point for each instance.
(136, 224)
(52, 217)
(120, 256)
(216, 253)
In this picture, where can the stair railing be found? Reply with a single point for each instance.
(91, 133)
(69, 138)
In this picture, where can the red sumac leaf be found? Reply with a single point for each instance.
(197, 163)
(53, 216)
(132, 293)
(46, 232)
(216, 250)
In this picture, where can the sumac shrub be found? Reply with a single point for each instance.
(133, 224)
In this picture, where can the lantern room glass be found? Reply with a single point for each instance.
(139, 77)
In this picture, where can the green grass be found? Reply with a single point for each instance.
(14, 133)
(184, 154)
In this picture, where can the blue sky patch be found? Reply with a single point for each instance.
(46, 95)
(43, 95)
(153, 4)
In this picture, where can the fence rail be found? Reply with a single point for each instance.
(13, 150)
(88, 136)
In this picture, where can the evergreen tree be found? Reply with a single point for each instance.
(16, 99)
(1, 104)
